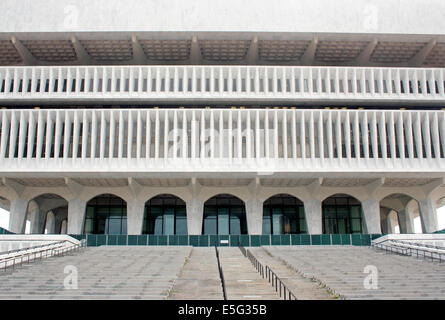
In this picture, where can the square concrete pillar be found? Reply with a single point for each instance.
(428, 215)
(58, 225)
(384, 224)
(392, 222)
(406, 221)
(371, 214)
(135, 217)
(37, 222)
(63, 227)
(50, 223)
(195, 212)
(17, 217)
(76, 216)
(312, 210)
(254, 216)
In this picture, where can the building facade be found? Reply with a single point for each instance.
(186, 119)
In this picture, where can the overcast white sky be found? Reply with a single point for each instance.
(4, 220)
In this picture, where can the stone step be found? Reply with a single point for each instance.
(341, 269)
(103, 273)
(199, 278)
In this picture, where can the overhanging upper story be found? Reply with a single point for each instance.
(240, 16)
(198, 32)
(196, 53)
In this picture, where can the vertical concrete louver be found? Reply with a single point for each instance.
(188, 84)
(222, 139)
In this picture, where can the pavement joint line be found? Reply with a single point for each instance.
(242, 280)
(252, 296)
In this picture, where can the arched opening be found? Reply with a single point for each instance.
(106, 214)
(283, 214)
(224, 214)
(165, 214)
(46, 213)
(342, 214)
(399, 213)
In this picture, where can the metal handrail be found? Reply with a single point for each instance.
(419, 252)
(418, 244)
(31, 248)
(53, 250)
(267, 273)
(392, 248)
(221, 274)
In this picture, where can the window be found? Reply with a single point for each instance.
(165, 215)
(283, 214)
(224, 214)
(342, 214)
(106, 214)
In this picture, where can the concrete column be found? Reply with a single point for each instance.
(135, 216)
(50, 223)
(384, 219)
(406, 221)
(58, 226)
(37, 222)
(254, 216)
(384, 224)
(428, 215)
(64, 227)
(76, 216)
(312, 210)
(391, 222)
(17, 216)
(195, 212)
(371, 214)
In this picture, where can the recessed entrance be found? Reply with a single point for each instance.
(283, 214)
(224, 214)
(106, 214)
(165, 214)
(342, 214)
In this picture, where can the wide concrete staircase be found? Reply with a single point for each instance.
(199, 279)
(103, 273)
(341, 270)
(302, 288)
(242, 281)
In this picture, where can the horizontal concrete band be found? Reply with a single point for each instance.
(321, 16)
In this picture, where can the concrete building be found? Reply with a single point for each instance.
(222, 117)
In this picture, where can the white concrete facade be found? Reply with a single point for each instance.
(196, 99)
(320, 16)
